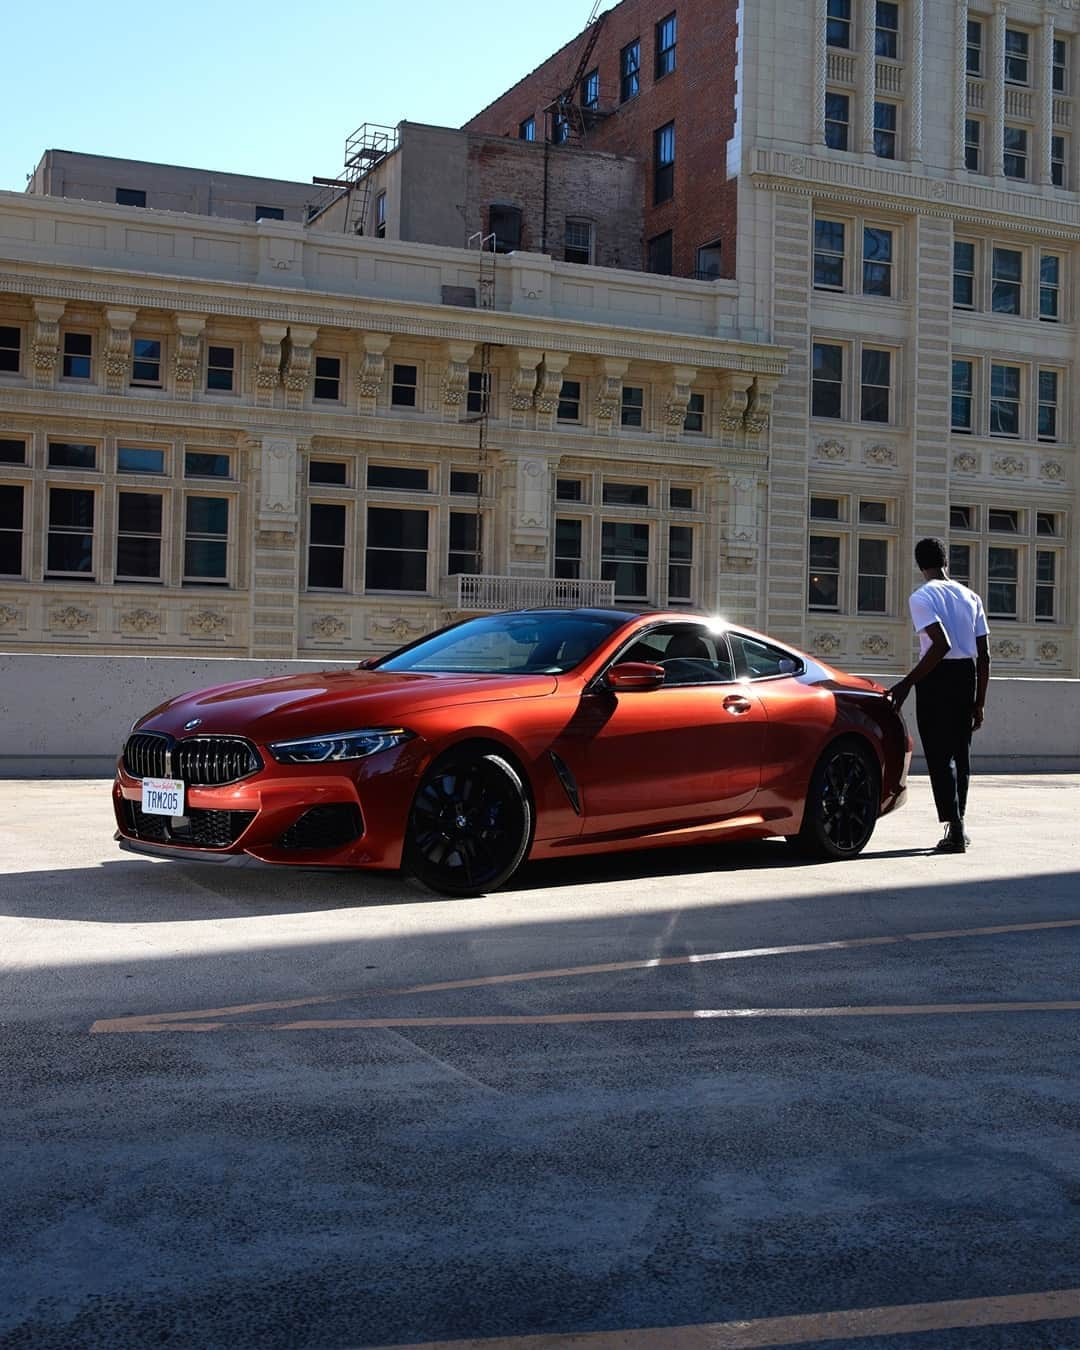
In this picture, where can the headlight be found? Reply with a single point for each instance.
(340, 745)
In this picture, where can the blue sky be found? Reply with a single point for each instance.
(255, 86)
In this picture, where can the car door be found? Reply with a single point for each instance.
(679, 755)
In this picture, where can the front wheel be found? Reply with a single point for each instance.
(841, 804)
(470, 825)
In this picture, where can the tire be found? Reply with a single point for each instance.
(842, 803)
(470, 825)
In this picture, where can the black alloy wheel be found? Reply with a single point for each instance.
(842, 803)
(470, 825)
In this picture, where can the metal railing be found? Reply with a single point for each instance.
(488, 594)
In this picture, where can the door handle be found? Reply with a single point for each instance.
(736, 704)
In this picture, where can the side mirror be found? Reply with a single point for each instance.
(367, 663)
(634, 677)
(786, 666)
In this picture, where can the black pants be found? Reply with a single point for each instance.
(945, 703)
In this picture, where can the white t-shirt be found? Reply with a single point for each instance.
(958, 610)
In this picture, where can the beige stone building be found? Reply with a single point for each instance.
(262, 439)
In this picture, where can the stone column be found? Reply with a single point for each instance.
(1044, 84)
(959, 128)
(821, 71)
(530, 520)
(915, 67)
(867, 76)
(275, 555)
(995, 85)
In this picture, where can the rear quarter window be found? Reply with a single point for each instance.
(757, 660)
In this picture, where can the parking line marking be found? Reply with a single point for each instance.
(906, 1319)
(140, 1021)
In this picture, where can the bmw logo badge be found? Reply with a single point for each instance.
(195, 722)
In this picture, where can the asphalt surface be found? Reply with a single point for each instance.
(296, 1160)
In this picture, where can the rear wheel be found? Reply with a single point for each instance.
(841, 804)
(470, 824)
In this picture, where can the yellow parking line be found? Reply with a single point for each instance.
(908, 1319)
(141, 1022)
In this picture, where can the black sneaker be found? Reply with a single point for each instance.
(954, 841)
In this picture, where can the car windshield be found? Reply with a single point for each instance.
(547, 643)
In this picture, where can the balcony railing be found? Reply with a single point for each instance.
(488, 594)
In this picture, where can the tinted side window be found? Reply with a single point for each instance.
(756, 660)
(689, 654)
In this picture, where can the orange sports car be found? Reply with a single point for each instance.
(531, 734)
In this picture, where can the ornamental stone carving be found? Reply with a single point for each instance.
(296, 364)
(371, 370)
(278, 462)
(45, 346)
(7, 615)
(186, 360)
(549, 387)
(759, 411)
(117, 353)
(268, 362)
(875, 644)
(398, 627)
(678, 400)
(523, 384)
(1009, 465)
(825, 643)
(880, 455)
(832, 451)
(1007, 649)
(329, 626)
(456, 379)
(206, 621)
(71, 618)
(1049, 651)
(140, 621)
(965, 462)
(1052, 470)
(609, 393)
(733, 399)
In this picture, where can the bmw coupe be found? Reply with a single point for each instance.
(531, 734)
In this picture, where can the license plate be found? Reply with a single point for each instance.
(163, 796)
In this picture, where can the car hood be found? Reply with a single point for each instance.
(330, 700)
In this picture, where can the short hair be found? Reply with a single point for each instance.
(930, 553)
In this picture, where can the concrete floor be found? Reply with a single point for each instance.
(315, 1152)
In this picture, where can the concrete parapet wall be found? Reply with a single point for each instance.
(68, 715)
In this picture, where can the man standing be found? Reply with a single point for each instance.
(951, 678)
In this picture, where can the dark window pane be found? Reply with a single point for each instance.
(11, 506)
(269, 213)
(824, 552)
(403, 388)
(70, 553)
(67, 455)
(681, 543)
(660, 251)
(327, 523)
(960, 561)
(130, 197)
(1007, 522)
(568, 489)
(326, 567)
(139, 513)
(207, 515)
(137, 557)
(465, 483)
(625, 494)
(631, 579)
(198, 464)
(396, 476)
(567, 538)
(873, 513)
(395, 571)
(328, 471)
(871, 595)
(624, 539)
(205, 559)
(389, 527)
(824, 508)
(682, 499)
(134, 459)
(78, 349)
(823, 590)
(695, 414)
(220, 365)
(71, 509)
(570, 401)
(12, 451)
(464, 532)
(960, 517)
(10, 342)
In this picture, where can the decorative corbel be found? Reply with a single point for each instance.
(759, 411)
(189, 331)
(45, 346)
(268, 362)
(371, 369)
(734, 395)
(118, 348)
(549, 387)
(523, 384)
(456, 379)
(296, 365)
(678, 401)
(609, 392)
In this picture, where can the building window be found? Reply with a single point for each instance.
(877, 270)
(568, 547)
(885, 124)
(69, 550)
(633, 407)
(527, 129)
(694, 421)
(380, 216)
(973, 144)
(1048, 405)
(1003, 521)
(577, 241)
(201, 464)
(625, 494)
(827, 397)
(960, 563)
(837, 120)
(664, 163)
(824, 508)
(569, 401)
(666, 31)
(1004, 400)
(838, 24)
(397, 542)
(1045, 585)
(130, 197)
(963, 395)
(72, 455)
(206, 541)
(330, 471)
(146, 362)
(1047, 523)
(887, 32)
(963, 274)
(504, 222)
(138, 459)
(823, 576)
(629, 70)
(590, 90)
(269, 213)
(560, 129)
(848, 568)
(1061, 66)
(569, 490)
(220, 369)
(1016, 152)
(478, 399)
(11, 529)
(708, 261)
(10, 350)
(12, 451)
(78, 362)
(403, 387)
(1017, 46)
(1007, 276)
(1058, 156)
(1049, 288)
(829, 237)
(876, 381)
(962, 518)
(681, 498)
(974, 47)
(464, 555)
(138, 536)
(326, 546)
(680, 564)
(464, 483)
(661, 251)
(873, 576)
(328, 378)
(397, 478)
(1003, 574)
(624, 558)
